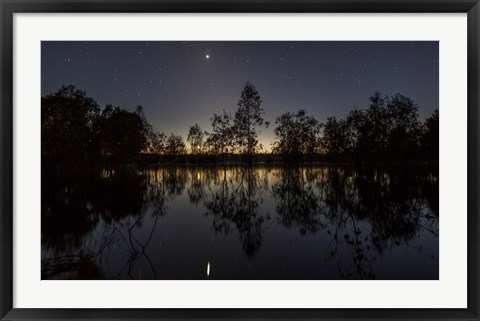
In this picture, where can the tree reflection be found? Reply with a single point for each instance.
(360, 214)
(175, 179)
(236, 201)
(85, 211)
(195, 190)
(364, 212)
(297, 199)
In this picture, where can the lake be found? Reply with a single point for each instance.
(314, 222)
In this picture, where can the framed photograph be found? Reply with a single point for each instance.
(240, 160)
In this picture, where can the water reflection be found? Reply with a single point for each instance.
(235, 201)
(166, 222)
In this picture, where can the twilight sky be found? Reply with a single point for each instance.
(183, 83)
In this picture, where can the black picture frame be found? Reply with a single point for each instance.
(9, 7)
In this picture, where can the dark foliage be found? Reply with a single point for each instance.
(388, 131)
(74, 131)
(69, 126)
(122, 134)
(297, 134)
(248, 117)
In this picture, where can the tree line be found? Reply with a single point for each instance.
(76, 130)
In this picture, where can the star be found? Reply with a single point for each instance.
(207, 56)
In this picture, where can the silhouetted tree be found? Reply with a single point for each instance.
(221, 138)
(157, 142)
(247, 117)
(146, 128)
(388, 130)
(74, 131)
(69, 125)
(430, 137)
(195, 138)
(175, 145)
(122, 134)
(336, 139)
(404, 130)
(357, 125)
(373, 138)
(296, 133)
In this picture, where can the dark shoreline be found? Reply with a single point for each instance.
(190, 162)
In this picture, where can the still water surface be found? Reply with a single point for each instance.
(314, 222)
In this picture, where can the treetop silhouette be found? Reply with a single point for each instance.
(74, 130)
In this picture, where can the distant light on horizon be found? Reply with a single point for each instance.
(208, 269)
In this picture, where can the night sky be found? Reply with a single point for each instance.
(183, 83)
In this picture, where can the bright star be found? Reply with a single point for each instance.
(207, 56)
